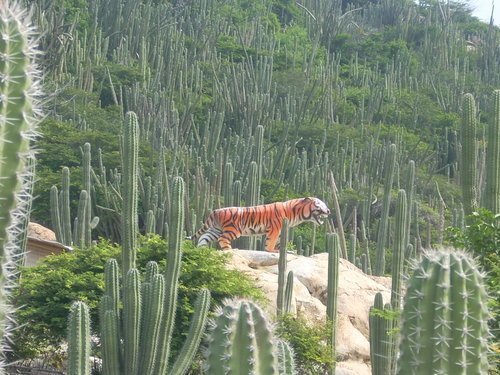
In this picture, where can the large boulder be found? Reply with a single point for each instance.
(355, 296)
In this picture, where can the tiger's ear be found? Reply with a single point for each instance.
(309, 198)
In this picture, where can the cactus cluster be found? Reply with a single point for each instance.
(445, 317)
(241, 341)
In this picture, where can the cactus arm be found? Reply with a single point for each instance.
(174, 257)
(196, 330)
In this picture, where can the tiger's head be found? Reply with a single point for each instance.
(318, 210)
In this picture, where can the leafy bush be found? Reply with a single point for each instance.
(312, 354)
(47, 290)
(482, 237)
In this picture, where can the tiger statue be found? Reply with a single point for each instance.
(227, 224)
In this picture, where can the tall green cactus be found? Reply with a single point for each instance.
(380, 339)
(240, 341)
(491, 196)
(19, 117)
(136, 333)
(468, 155)
(445, 317)
(67, 236)
(130, 163)
(174, 255)
(333, 248)
(227, 186)
(132, 301)
(280, 294)
(132, 337)
(390, 166)
(286, 360)
(288, 297)
(399, 249)
(79, 339)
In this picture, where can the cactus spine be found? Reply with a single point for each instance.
(79, 339)
(468, 154)
(444, 321)
(240, 341)
(492, 189)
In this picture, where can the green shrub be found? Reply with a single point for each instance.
(482, 237)
(47, 290)
(309, 342)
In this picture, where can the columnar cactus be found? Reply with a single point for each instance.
(130, 163)
(492, 189)
(333, 248)
(399, 249)
(286, 360)
(280, 295)
(174, 255)
(67, 236)
(380, 339)
(468, 155)
(390, 166)
(227, 186)
(240, 341)
(19, 117)
(79, 339)
(288, 297)
(444, 321)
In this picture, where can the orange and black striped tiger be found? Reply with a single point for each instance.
(227, 224)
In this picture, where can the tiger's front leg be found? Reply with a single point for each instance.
(272, 235)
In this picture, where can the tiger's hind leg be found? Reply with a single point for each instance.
(209, 236)
(228, 235)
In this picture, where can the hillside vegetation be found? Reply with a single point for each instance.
(248, 102)
(332, 85)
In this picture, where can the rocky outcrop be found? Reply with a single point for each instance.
(355, 296)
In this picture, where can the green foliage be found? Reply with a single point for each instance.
(482, 237)
(312, 353)
(47, 291)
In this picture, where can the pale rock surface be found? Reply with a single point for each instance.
(40, 232)
(355, 296)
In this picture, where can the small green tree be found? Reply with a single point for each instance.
(312, 353)
(46, 292)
